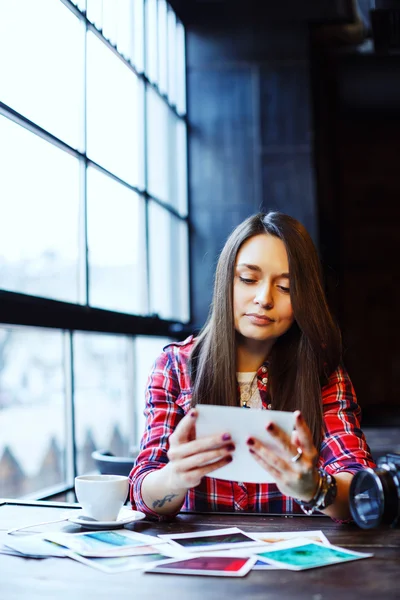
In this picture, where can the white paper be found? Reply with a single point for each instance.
(33, 546)
(242, 423)
(210, 540)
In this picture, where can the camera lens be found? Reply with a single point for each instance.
(373, 498)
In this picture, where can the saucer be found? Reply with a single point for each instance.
(125, 516)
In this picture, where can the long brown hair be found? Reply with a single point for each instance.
(302, 359)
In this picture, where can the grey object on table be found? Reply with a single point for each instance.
(108, 464)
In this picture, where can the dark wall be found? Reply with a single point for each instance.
(250, 135)
(358, 148)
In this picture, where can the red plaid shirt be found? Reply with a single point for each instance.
(168, 397)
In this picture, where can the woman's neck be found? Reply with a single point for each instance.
(250, 355)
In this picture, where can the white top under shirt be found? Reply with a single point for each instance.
(249, 392)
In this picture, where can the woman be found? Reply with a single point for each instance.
(270, 342)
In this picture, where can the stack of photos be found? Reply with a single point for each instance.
(223, 552)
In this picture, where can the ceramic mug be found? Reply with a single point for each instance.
(101, 496)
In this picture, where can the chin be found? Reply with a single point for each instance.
(260, 336)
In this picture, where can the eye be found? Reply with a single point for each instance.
(284, 289)
(247, 281)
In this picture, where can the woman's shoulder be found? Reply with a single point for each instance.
(182, 348)
(338, 385)
(177, 352)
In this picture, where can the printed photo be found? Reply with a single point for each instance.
(270, 537)
(224, 566)
(298, 555)
(105, 543)
(118, 564)
(215, 540)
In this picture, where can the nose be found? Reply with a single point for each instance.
(264, 297)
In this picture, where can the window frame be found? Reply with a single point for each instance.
(35, 311)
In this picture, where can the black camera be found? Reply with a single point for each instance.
(375, 493)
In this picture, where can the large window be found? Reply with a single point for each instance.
(93, 226)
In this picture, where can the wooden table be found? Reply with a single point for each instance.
(65, 579)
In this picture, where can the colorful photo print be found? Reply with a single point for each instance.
(265, 565)
(118, 564)
(223, 566)
(303, 554)
(105, 543)
(215, 540)
(272, 537)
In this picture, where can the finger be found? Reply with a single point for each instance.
(183, 450)
(304, 436)
(294, 438)
(271, 468)
(282, 440)
(193, 478)
(204, 459)
(185, 428)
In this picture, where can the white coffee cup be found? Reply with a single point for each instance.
(101, 496)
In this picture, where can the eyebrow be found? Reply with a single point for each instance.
(259, 270)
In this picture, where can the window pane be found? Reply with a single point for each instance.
(172, 57)
(95, 13)
(160, 262)
(147, 349)
(39, 216)
(110, 16)
(114, 114)
(180, 260)
(103, 393)
(157, 145)
(116, 241)
(124, 35)
(138, 34)
(168, 265)
(151, 40)
(180, 69)
(162, 47)
(41, 71)
(177, 172)
(81, 4)
(32, 410)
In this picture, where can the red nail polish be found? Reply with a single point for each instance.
(250, 442)
(300, 417)
(193, 413)
(226, 437)
(230, 447)
(229, 458)
(251, 451)
(271, 427)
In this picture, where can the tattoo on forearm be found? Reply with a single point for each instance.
(167, 498)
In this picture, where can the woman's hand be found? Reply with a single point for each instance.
(190, 458)
(296, 478)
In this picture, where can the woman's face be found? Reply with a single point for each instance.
(261, 290)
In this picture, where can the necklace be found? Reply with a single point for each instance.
(249, 394)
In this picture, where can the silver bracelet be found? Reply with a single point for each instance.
(324, 496)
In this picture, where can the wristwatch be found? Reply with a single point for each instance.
(324, 496)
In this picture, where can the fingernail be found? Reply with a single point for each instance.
(270, 427)
(230, 447)
(226, 437)
(229, 458)
(299, 416)
(251, 451)
(250, 442)
(193, 413)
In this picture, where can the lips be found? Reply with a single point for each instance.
(259, 319)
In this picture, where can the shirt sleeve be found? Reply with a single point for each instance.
(344, 447)
(162, 416)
